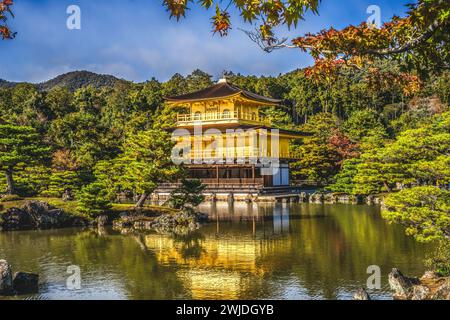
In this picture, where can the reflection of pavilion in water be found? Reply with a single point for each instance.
(300, 250)
(250, 212)
(224, 263)
(274, 218)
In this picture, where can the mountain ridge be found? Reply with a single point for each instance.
(71, 80)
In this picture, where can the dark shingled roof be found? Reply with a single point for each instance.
(222, 89)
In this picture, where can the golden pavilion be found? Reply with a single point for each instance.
(227, 142)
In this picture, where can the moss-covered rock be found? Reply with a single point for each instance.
(180, 222)
(38, 215)
(429, 287)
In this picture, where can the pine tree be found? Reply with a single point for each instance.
(188, 195)
(93, 200)
(62, 181)
(145, 163)
(19, 144)
(318, 159)
(344, 179)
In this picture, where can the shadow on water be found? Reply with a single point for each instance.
(246, 251)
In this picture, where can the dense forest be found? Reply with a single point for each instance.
(358, 124)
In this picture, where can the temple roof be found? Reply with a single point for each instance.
(221, 90)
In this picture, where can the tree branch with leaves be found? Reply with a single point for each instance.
(269, 14)
(5, 13)
(419, 40)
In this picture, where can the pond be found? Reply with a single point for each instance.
(247, 251)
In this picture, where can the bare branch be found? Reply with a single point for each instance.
(268, 45)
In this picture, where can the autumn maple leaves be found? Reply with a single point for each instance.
(5, 11)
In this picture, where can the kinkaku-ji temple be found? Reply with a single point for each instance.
(231, 147)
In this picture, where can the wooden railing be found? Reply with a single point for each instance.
(239, 152)
(217, 116)
(233, 181)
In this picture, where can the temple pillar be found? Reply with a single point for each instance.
(217, 174)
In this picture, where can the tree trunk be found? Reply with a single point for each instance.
(386, 185)
(141, 200)
(9, 181)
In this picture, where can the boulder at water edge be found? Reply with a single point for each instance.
(37, 215)
(430, 287)
(5, 278)
(25, 282)
(361, 294)
(401, 285)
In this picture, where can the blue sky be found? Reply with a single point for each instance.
(136, 40)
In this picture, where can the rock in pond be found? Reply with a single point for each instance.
(316, 197)
(429, 287)
(102, 220)
(6, 285)
(26, 283)
(21, 283)
(361, 294)
(419, 292)
(401, 285)
(179, 222)
(442, 292)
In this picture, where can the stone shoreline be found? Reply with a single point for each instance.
(291, 197)
(429, 287)
(36, 215)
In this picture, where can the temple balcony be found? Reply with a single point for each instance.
(231, 117)
(223, 184)
(236, 153)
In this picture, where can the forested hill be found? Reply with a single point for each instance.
(78, 79)
(72, 81)
(6, 84)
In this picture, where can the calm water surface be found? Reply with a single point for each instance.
(247, 251)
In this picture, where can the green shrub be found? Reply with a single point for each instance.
(93, 200)
(439, 261)
(424, 211)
